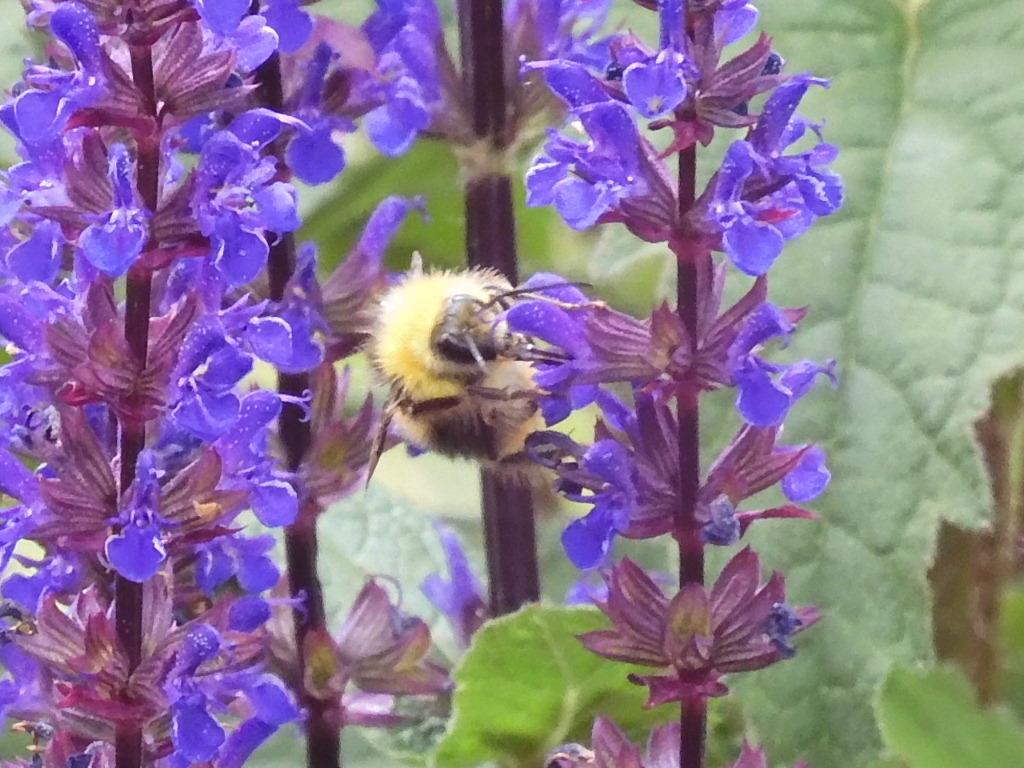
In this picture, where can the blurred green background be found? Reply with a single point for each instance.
(917, 288)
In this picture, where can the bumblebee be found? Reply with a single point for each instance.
(460, 382)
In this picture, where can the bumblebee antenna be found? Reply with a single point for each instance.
(536, 292)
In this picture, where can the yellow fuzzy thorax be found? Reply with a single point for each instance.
(408, 315)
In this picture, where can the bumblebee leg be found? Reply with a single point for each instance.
(420, 407)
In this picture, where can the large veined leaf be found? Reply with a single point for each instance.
(931, 721)
(527, 685)
(918, 289)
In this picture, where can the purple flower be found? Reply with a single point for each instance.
(292, 23)
(754, 461)
(766, 390)
(615, 176)
(286, 339)
(114, 242)
(759, 191)
(657, 87)
(210, 367)
(245, 454)
(460, 597)
(249, 37)
(313, 153)
(628, 475)
(404, 36)
(237, 197)
(808, 479)
(136, 551)
(588, 540)
(39, 115)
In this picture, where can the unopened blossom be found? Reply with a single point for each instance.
(699, 635)
(339, 456)
(379, 655)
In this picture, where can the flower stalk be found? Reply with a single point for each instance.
(128, 594)
(323, 724)
(509, 528)
(691, 260)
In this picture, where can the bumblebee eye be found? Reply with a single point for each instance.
(464, 348)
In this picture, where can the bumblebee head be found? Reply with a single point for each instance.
(464, 336)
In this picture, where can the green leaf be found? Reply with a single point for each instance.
(929, 718)
(1012, 642)
(917, 288)
(527, 685)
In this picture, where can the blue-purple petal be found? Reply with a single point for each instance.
(293, 24)
(808, 479)
(574, 84)
(115, 242)
(247, 614)
(655, 88)
(136, 552)
(240, 255)
(550, 323)
(315, 157)
(753, 246)
(274, 503)
(39, 257)
(587, 540)
(197, 735)
(761, 401)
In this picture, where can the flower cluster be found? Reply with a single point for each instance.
(130, 450)
(630, 473)
(628, 113)
(134, 236)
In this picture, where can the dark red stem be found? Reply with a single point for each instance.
(323, 715)
(509, 529)
(690, 254)
(128, 595)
